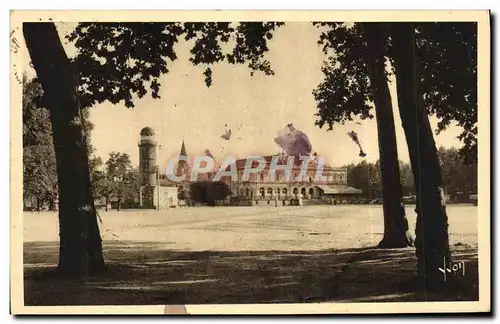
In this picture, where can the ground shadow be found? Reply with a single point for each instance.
(145, 273)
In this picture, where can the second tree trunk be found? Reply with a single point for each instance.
(432, 222)
(396, 230)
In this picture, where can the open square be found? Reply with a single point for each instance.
(267, 159)
(243, 255)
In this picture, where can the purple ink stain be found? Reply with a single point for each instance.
(293, 141)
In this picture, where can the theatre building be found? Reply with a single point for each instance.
(264, 188)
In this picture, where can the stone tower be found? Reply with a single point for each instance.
(182, 166)
(147, 167)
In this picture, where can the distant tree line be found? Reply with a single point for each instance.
(205, 192)
(39, 160)
(39, 163)
(113, 180)
(117, 180)
(434, 65)
(459, 177)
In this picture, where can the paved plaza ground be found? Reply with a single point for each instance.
(242, 255)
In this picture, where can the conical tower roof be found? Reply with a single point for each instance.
(183, 149)
(182, 166)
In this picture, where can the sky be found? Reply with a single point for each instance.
(254, 107)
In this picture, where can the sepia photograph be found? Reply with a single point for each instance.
(226, 162)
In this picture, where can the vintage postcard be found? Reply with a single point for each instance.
(250, 162)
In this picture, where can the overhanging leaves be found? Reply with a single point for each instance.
(448, 52)
(123, 61)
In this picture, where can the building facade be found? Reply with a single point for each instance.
(155, 192)
(262, 188)
(268, 188)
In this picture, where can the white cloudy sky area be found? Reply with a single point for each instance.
(260, 106)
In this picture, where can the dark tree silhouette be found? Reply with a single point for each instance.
(124, 61)
(123, 182)
(119, 62)
(432, 222)
(39, 163)
(448, 54)
(459, 178)
(183, 193)
(208, 192)
(101, 185)
(396, 230)
(366, 177)
(448, 66)
(218, 190)
(116, 62)
(198, 191)
(355, 75)
(420, 54)
(80, 251)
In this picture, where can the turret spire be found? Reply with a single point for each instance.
(182, 167)
(183, 149)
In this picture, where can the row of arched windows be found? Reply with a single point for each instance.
(279, 176)
(284, 191)
(245, 192)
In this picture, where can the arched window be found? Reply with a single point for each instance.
(311, 192)
(284, 191)
(295, 191)
(303, 191)
(269, 191)
(278, 191)
(262, 192)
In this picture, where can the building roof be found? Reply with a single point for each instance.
(339, 190)
(240, 164)
(166, 183)
(147, 131)
(183, 149)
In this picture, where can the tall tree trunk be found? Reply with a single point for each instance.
(38, 204)
(80, 251)
(51, 204)
(396, 230)
(431, 242)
